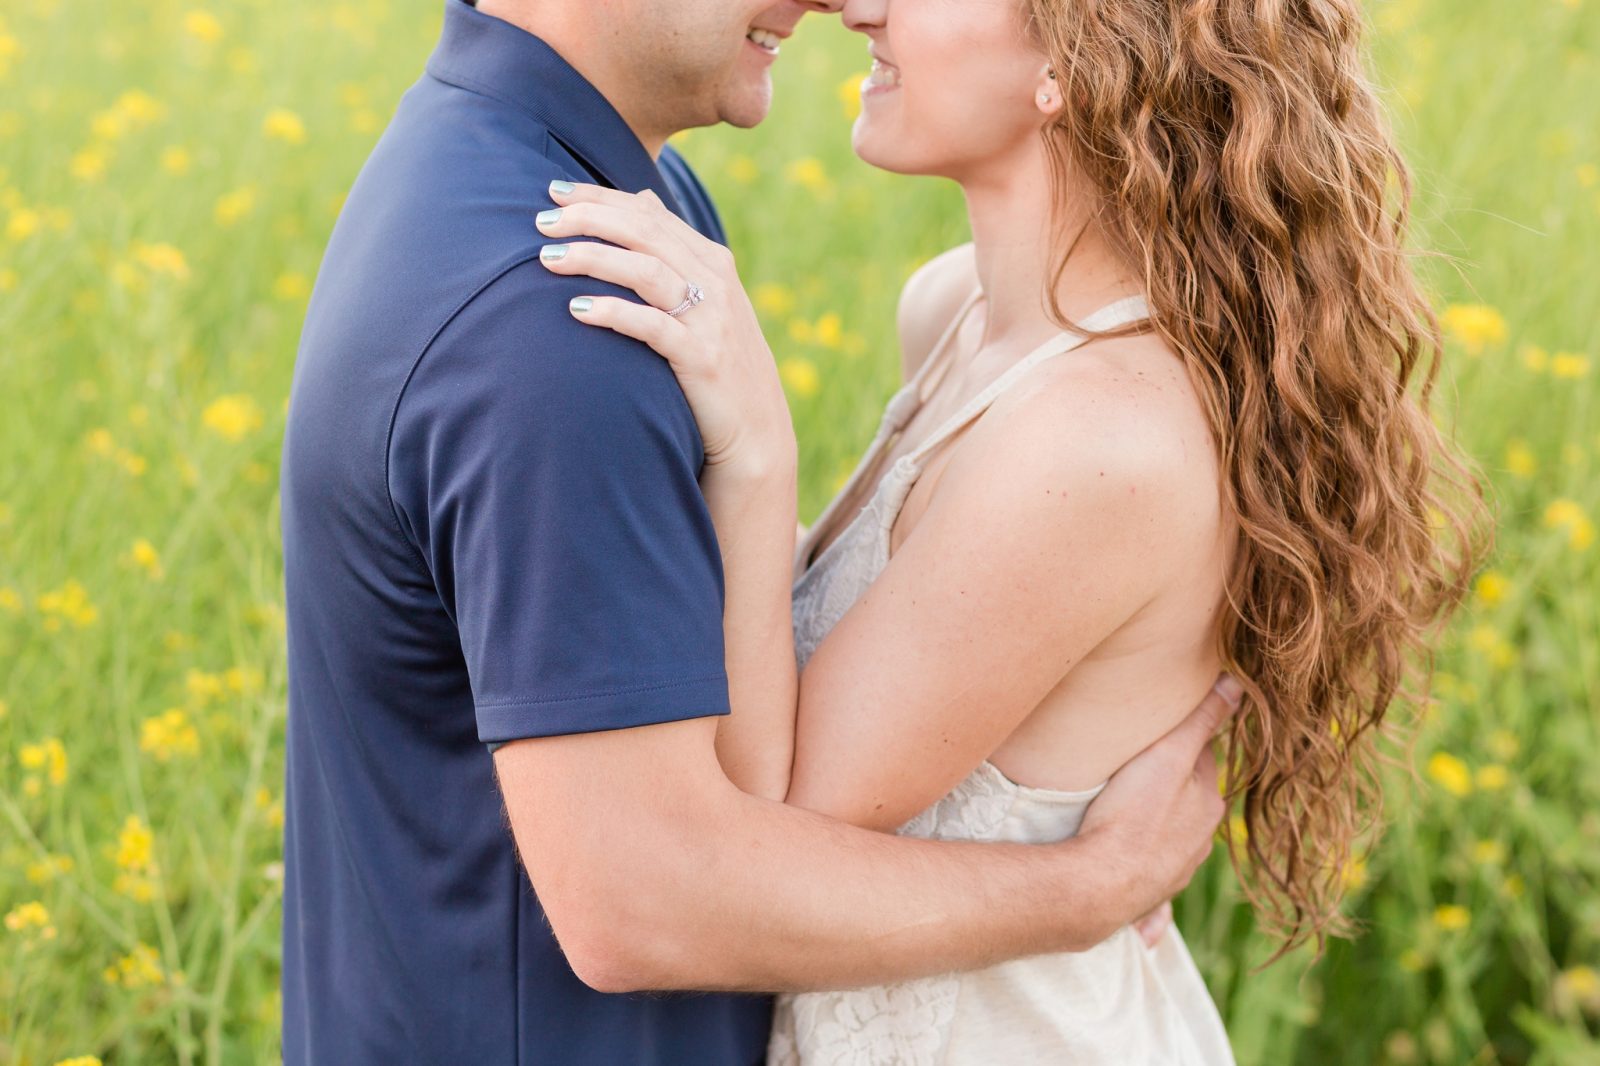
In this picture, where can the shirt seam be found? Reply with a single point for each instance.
(394, 414)
(597, 693)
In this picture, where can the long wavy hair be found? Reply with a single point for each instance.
(1237, 157)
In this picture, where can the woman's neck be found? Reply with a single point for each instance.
(1016, 233)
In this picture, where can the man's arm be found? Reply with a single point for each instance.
(656, 872)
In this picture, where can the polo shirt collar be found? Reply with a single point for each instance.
(491, 57)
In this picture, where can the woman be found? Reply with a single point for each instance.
(1165, 433)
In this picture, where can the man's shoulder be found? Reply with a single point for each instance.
(699, 209)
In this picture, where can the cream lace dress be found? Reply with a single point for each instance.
(1118, 1004)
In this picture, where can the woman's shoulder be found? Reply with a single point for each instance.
(1119, 418)
(930, 299)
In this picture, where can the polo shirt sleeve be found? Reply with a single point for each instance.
(547, 474)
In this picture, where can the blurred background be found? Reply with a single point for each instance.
(169, 173)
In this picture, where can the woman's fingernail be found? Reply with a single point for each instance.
(581, 305)
(562, 188)
(1228, 688)
(550, 217)
(551, 252)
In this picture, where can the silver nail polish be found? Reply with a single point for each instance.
(581, 305)
(550, 217)
(551, 252)
(562, 187)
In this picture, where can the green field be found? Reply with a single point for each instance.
(168, 177)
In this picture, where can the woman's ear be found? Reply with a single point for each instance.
(1047, 94)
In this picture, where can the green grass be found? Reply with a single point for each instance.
(117, 350)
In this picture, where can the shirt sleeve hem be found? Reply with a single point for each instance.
(619, 708)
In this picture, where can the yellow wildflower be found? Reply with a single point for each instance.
(850, 96)
(232, 417)
(243, 679)
(1489, 852)
(1580, 986)
(48, 755)
(1588, 175)
(138, 969)
(81, 1060)
(1503, 744)
(168, 734)
(829, 330)
(1569, 365)
(1451, 917)
(1354, 874)
(1450, 773)
(202, 686)
(134, 844)
(281, 124)
(31, 919)
(23, 223)
(10, 600)
(203, 26)
(809, 173)
(1491, 587)
(49, 868)
(1567, 516)
(71, 603)
(1520, 460)
(176, 160)
(143, 555)
(291, 287)
(233, 206)
(773, 299)
(1474, 326)
(1535, 358)
(800, 375)
(1486, 640)
(90, 164)
(139, 107)
(1491, 778)
(161, 259)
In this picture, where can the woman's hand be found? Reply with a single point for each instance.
(715, 347)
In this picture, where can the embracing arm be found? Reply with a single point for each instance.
(656, 872)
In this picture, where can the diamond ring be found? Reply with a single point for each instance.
(693, 295)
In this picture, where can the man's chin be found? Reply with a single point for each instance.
(749, 107)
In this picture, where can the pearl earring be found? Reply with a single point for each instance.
(1044, 98)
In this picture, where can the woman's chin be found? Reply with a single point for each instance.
(882, 148)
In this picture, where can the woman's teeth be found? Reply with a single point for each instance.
(883, 76)
(764, 39)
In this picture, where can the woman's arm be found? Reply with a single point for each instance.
(752, 506)
(1016, 571)
(730, 379)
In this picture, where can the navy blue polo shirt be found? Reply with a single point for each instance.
(492, 529)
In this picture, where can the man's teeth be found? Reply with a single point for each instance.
(765, 39)
(883, 75)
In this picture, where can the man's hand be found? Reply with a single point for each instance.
(1153, 824)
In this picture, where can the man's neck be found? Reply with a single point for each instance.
(579, 40)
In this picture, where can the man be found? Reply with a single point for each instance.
(493, 532)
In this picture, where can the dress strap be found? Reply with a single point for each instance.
(1127, 309)
(908, 398)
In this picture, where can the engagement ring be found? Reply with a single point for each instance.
(692, 296)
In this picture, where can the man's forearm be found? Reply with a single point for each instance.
(767, 897)
(754, 513)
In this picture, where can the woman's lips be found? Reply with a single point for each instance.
(884, 77)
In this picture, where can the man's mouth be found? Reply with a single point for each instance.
(765, 40)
